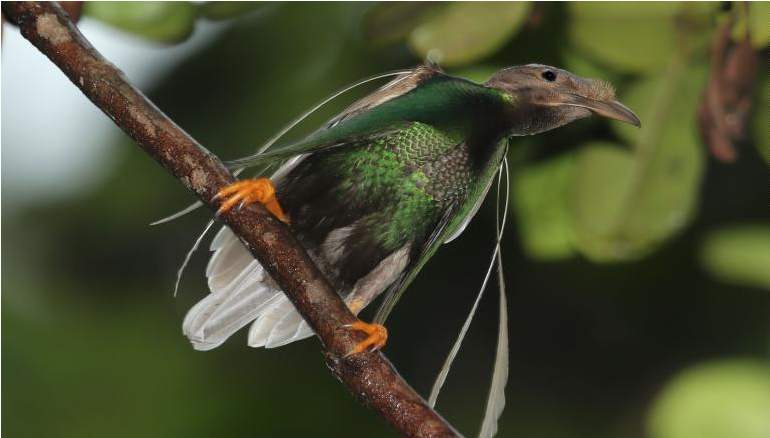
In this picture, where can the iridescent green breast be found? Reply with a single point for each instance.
(410, 174)
(387, 191)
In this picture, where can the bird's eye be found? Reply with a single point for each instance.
(548, 75)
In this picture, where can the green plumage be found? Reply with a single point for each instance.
(374, 193)
(394, 177)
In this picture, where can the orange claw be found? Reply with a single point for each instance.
(378, 334)
(249, 191)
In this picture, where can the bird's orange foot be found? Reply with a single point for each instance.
(249, 191)
(377, 335)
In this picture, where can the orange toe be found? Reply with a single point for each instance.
(377, 336)
(249, 191)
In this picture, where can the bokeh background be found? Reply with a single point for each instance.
(638, 261)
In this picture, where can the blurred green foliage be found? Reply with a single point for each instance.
(713, 400)
(486, 26)
(637, 257)
(538, 196)
(739, 254)
(756, 22)
(157, 21)
(654, 186)
(165, 22)
(761, 136)
(635, 38)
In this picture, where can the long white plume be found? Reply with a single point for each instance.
(439, 383)
(189, 254)
(496, 398)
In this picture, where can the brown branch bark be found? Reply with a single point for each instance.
(369, 376)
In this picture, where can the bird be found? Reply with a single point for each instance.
(375, 191)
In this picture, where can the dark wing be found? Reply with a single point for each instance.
(394, 292)
(451, 225)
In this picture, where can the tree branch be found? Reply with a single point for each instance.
(369, 376)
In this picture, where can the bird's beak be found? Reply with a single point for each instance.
(611, 109)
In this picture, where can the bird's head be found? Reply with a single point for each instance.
(544, 98)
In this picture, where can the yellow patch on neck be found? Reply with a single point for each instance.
(507, 98)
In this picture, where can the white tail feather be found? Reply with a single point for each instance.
(218, 316)
(241, 292)
(288, 329)
(278, 325)
(221, 245)
(260, 330)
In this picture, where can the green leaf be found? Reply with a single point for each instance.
(166, 22)
(538, 194)
(464, 32)
(757, 22)
(623, 203)
(600, 183)
(633, 37)
(222, 10)
(739, 255)
(724, 399)
(391, 22)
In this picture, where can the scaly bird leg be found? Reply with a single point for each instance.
(377, 335)
(249, 191)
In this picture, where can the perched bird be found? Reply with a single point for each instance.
(375, 192)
